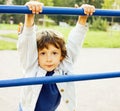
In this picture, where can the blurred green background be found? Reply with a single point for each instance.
(104, 32)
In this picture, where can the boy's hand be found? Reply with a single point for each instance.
(35, 6)
(88, 10)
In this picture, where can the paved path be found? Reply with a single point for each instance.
(8, 32)
(97, 95)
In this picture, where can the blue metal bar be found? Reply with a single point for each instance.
(56, 79)
(57, 10)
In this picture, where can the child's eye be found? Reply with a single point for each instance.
(42, 53)
(55, 53)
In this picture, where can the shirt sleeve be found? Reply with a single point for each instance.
(27, 49)
(75, 41)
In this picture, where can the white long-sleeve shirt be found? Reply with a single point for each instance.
(27, 49)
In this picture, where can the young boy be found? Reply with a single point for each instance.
(44, 53)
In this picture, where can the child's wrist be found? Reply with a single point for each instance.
(29, 20)
(82, 20)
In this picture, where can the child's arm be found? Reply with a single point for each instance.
(27, 46)
(35, 7)
(77, 35)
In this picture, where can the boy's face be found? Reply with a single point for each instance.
(50, 58)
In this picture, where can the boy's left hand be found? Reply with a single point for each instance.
(88, 11)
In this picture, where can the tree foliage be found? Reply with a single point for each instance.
(99, 24)
(2, 1)
(111, 4)
(19, 2)
(47, 2)
(96, 3)
(108, 4)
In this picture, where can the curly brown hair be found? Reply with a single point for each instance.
(48, 36)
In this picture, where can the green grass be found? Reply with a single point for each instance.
(11, 35)
(7, 45)
(101, 39)
(94, 39)
(8, 27)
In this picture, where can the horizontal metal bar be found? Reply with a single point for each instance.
(56, 79)
(16, 9)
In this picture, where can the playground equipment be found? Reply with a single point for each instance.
(57, 79)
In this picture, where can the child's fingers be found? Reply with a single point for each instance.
(30, 6)
(88, 9)
(33, 9)
(92, 10)
(34, 6)
(39, 8)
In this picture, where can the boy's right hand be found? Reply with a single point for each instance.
(34, 6)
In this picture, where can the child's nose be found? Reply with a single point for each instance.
(49, 58)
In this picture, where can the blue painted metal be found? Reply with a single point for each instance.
(57, 10)
(56, 79)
